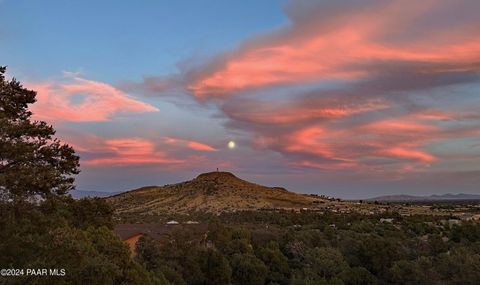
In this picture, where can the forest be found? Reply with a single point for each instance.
(309, 248)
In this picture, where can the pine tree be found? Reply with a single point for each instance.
(33, 164)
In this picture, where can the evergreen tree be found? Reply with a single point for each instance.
(32, 162)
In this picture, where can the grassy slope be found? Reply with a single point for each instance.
(211, 192)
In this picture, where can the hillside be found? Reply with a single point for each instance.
(209, 192)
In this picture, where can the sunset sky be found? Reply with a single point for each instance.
(347, 98)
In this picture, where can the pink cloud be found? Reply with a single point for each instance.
(324, 166)
(170, 153)
(96, 101)
(200, 146)
(131, 160)
(194, 145)
(314, 49)
(274, 113)
(402, 126)
(123, 151)
(360, 147)
(409, 153)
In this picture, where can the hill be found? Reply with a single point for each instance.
(411, 198)
(208, 192)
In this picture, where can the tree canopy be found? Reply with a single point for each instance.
(33, 163)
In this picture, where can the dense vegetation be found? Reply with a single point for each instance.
(310, 248)
(65, 234)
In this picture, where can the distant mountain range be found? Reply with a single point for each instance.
(78, 194)
(411, 198)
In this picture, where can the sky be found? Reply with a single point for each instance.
(353, 99)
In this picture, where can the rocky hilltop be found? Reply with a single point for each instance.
(208, 192)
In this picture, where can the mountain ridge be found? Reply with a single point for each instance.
(79, 194)
(434, 197)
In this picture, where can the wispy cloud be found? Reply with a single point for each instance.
(98, 151)
(191, 144)
(76, 99)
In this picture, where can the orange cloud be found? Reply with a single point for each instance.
(82, 100)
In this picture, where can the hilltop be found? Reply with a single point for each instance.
(209, 192)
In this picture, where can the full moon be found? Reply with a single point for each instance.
(231, 144)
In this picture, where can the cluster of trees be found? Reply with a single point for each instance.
(41, 227)
(66, 234)
(310, 248)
